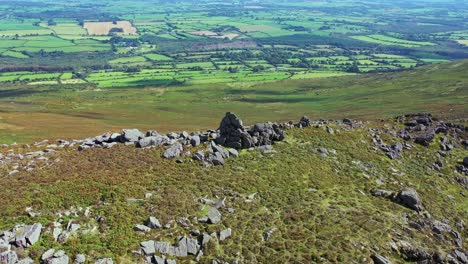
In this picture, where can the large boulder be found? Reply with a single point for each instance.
(131, 135)
(409, 198)
(233, 133)
(29, 236)
(425, 139)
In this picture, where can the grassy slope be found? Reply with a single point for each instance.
(340, 222)
(440, 88)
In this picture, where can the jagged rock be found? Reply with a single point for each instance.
(461, 256)
(48, 254)
(131, 135)
(304, 122)
(205, 239)
(413, 254)
(174, 151)
(199, 155)
(8, 257)
(153, 223)
(233, 134)
(378, 259)
(409, 198)
(216, 159)
(148, 247)
(214, 216)
(29, 236)
(182, 250)
(425, 139)
(224, 234)
(266, 133)
(192, 246)
(141, 228)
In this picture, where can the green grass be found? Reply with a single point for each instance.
(311, 226)
(439, 88)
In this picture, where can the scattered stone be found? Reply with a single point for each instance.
(153, 223)
(224, 234)
(141, 228)
(80, 259)
(378, 259)
(104, 261)
(214, 216)
(174, 151)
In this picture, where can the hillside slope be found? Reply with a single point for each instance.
(333, 192)
(75, 111)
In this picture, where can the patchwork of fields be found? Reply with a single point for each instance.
(138, 44)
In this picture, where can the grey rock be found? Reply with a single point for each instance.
(104, 261)
(29, 236)
(141, 228)
(182, 249)
(174, 151)
(162, 247)
(382, 193)
(153, 223)
(233, 152)
(64, 259)
(152, 141)
(409, 198)
(80, 259)
(304, 122)
(378, 259)
(132, 135)
(330, 130)
(171, 261)
(195, 141)
(214, 215)
(148, 247)
(425, 139)
(224, 234)
(192, 246)
(25, 261)
(199, 155)
(465, 161)
(216, 159)
(159, 260)
(8, 257)
(48, 254)
(206, 238)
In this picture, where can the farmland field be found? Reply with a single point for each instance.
(157, 48)
(104, 28)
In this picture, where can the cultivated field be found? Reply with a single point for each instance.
(104, 28)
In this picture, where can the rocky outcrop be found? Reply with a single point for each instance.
(234, 135)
